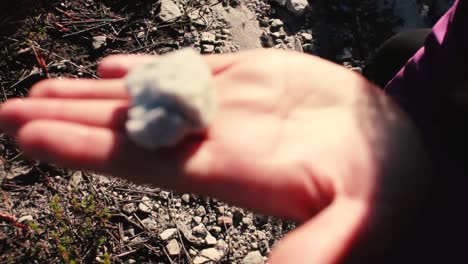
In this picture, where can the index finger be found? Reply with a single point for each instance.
(117, 66)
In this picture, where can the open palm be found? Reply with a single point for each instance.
(293, 137)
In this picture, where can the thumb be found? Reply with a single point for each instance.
(326, 237)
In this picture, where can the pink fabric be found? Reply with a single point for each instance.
(428, 88)
(425, 87)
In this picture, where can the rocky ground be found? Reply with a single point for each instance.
(57, 215)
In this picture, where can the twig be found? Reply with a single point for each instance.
(146, 47)
(141, 223)
(84, 30)
(73, 64)
(112, 235)
(125, 253)
(6, 200)
(182, 243)
(106, 20)
(22, 80)
(167, 255)
(4, 93)
(135, 191)
(40, 59)
(12, 159)
(11, 219)
(130, 221)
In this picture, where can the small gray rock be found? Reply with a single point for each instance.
(173, 248)
(150, 223)
(207, 48)
(276, 24)
(185, 197)
(261, 235)
(99, 42)
(192, 252)
(200, 260)
(247, 221)
(169, 11)
(171, 97)
(225, 31)
(144, 208)
(212, 254)
(253, 257)
(264, 247)
(129, 209)
(197, 220)
(28, 218)
(130, 232)
(306, 36)
(297, 7)
(208, 37)
(164, 195)
(222, 245)
(76, 179)
(141, 35)
(210, 240)
(200, 211)
(168, 234)
(200, 231)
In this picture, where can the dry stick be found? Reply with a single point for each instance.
(126, 253)
(167, 255)
(4, 93)
(105, 20)
(6, 201)
(11, 219)
(72, 63)
(20, 81)
(130, 221)
(112, 235)
(121, 233)
(12, 159)
(85, 30)
(147, 47)
(135, 191)
(141, 223)
(187, 254)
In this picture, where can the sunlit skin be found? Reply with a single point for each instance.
(288, 140)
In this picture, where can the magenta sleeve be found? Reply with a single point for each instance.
(431, 87)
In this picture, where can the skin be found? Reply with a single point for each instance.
(295, 137)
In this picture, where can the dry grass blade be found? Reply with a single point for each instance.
(40, 59)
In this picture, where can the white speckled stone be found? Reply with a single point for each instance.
(171, 97)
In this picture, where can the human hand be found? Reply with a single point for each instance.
(295, 136)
